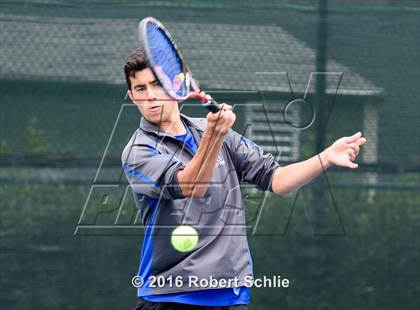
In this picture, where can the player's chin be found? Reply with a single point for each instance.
(156, 117)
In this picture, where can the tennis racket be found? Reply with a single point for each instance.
(167, 64)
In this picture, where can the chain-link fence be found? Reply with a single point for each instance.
(345, 65)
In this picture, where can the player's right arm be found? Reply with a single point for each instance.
(196, 176)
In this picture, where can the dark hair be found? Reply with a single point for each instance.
(135, 61)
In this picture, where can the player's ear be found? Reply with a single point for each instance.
(130, 95)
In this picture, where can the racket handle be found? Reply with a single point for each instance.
(211, 104)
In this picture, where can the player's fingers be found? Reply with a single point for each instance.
(352, 165)
(355, 148)
(361, 141)
(353, 138)
(228, 118)
(226, 114)
(351, 154)
(232, 119)
(223, 121)
(226, 106)
(214, 117)
(218, 116)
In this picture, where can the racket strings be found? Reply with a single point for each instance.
(167, 64)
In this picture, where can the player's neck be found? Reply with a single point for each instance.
(174, 127)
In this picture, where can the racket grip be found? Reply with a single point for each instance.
(212, 104)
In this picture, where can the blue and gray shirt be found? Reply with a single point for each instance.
(151, 161)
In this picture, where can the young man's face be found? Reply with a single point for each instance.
(153, 102)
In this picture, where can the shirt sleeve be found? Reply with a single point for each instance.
(251, 163)
(151, 173)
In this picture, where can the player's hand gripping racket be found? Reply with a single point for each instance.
(167, 64)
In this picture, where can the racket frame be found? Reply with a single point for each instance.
(190, 83)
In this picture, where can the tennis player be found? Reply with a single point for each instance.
(187, 171)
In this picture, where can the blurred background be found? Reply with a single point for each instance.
(300, 73)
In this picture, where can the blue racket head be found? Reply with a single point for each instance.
(164, 58)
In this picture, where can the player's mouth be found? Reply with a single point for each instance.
(155, 108)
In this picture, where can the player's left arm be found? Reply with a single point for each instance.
(341, 153)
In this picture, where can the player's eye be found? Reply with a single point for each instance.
(156, 84)
(139, 89)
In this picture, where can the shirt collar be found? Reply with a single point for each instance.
(151, 127)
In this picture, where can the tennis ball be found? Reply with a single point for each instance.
(184, 238)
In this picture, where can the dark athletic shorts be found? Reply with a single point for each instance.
(147, 305)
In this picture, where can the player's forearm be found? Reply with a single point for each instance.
(291, 177)
(197, 174)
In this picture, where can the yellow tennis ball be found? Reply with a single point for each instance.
(184, 238)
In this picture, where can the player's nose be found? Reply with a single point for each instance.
(151, 95)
